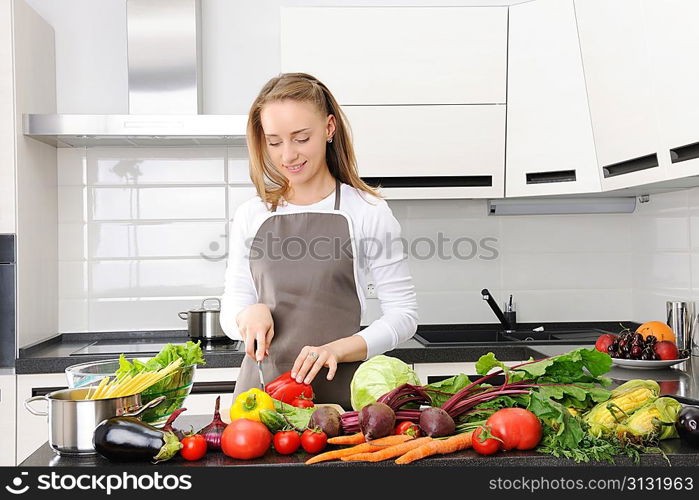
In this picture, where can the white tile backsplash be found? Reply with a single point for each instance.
(142, 235)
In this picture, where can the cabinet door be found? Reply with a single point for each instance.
(7, 122)
(458, 146)
(33, 431)
(7, 420)
(400, 55)
(613, 42)
(673, 42)
(550, 149)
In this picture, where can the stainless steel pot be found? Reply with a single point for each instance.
(204, 323)
(72, 419)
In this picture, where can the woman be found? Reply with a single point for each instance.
(300, 249)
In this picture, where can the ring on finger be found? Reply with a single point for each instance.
(313, 355)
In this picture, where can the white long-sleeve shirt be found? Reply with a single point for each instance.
(377, 237)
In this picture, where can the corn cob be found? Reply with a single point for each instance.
(604, 417)
(655, 420)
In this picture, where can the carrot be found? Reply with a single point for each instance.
(388, 452)
(374, 445)
(438, 447)
(357, 438)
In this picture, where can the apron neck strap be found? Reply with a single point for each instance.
(337, 196)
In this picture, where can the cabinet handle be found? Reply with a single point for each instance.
(554, 176)
(633, 165)
(212, 387)
(431, 181)
(684, 153)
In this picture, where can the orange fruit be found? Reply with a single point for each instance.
(658, 329)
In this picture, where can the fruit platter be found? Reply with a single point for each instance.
(651, 347)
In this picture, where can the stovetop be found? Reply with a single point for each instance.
(151, 346)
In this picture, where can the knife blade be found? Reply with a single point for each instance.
(262, 377)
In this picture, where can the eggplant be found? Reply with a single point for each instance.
(688, 425)
(127, 439)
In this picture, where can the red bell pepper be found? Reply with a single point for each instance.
(286, 389)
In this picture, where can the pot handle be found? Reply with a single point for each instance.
(150, 404)
(211, 298)
(186, 315)
(33, 411)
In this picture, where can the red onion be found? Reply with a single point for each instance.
(168, 425)
(212, 432)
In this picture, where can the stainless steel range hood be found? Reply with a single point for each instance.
(165, 91)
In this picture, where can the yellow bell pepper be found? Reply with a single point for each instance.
(248, 405)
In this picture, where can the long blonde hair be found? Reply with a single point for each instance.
(270, 184)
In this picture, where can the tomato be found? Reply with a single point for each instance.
(407, 427)
(518, 428)
(482, 444)
(302, 402)
(287, 442)
(245, 439)
(193, 447)
(313, 440)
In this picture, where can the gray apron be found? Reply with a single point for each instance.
(302, 265)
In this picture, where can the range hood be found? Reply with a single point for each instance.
(165, 91)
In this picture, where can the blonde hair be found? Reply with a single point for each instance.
(270, 184)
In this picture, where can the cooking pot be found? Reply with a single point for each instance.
(203, 323)
(72, 418)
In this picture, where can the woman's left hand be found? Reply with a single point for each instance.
(310, 360)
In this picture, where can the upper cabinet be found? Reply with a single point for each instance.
(618, 74)
(400, 55)
(7, 123)
(673, 44)
(424, 89)
(550, 148)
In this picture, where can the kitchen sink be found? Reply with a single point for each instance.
(446, 337)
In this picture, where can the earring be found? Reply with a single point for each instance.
(330, 140)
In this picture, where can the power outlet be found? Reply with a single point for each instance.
(370, 290)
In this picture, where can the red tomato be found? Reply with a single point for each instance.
(482, 444)
(193, 447)
(245, 439)
(407, 427)
(302, 402)
(518, 428)
(287, 442)
(313, 441)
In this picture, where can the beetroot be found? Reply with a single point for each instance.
(436, 422)
(376, 420)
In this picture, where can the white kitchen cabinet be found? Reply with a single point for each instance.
(673, 43)
(550, 148)
(618, 75)
(460, 148)
(7, 123)
(400, 55)
(426, 371)
(7, 419)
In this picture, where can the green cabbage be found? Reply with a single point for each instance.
(377, 376)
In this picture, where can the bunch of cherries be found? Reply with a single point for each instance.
(630, 345)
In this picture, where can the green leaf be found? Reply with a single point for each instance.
(487, 362)
(449, 386)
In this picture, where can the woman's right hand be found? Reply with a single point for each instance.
(255, 324)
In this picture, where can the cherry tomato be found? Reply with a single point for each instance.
(484, 445)
(193, 447)
(407, 427)
(287, 442)
(302, 402)
(245, 439)
(313, 440)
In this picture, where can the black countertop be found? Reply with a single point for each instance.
(678, 454)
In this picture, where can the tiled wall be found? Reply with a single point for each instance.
(142, 235)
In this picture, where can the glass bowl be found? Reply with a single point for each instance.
(175, 387)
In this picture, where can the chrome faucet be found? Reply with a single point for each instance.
(507, 325)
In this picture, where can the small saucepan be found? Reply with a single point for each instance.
(204, 322)
(72, 418)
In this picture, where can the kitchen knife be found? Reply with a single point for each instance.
(259, 370)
